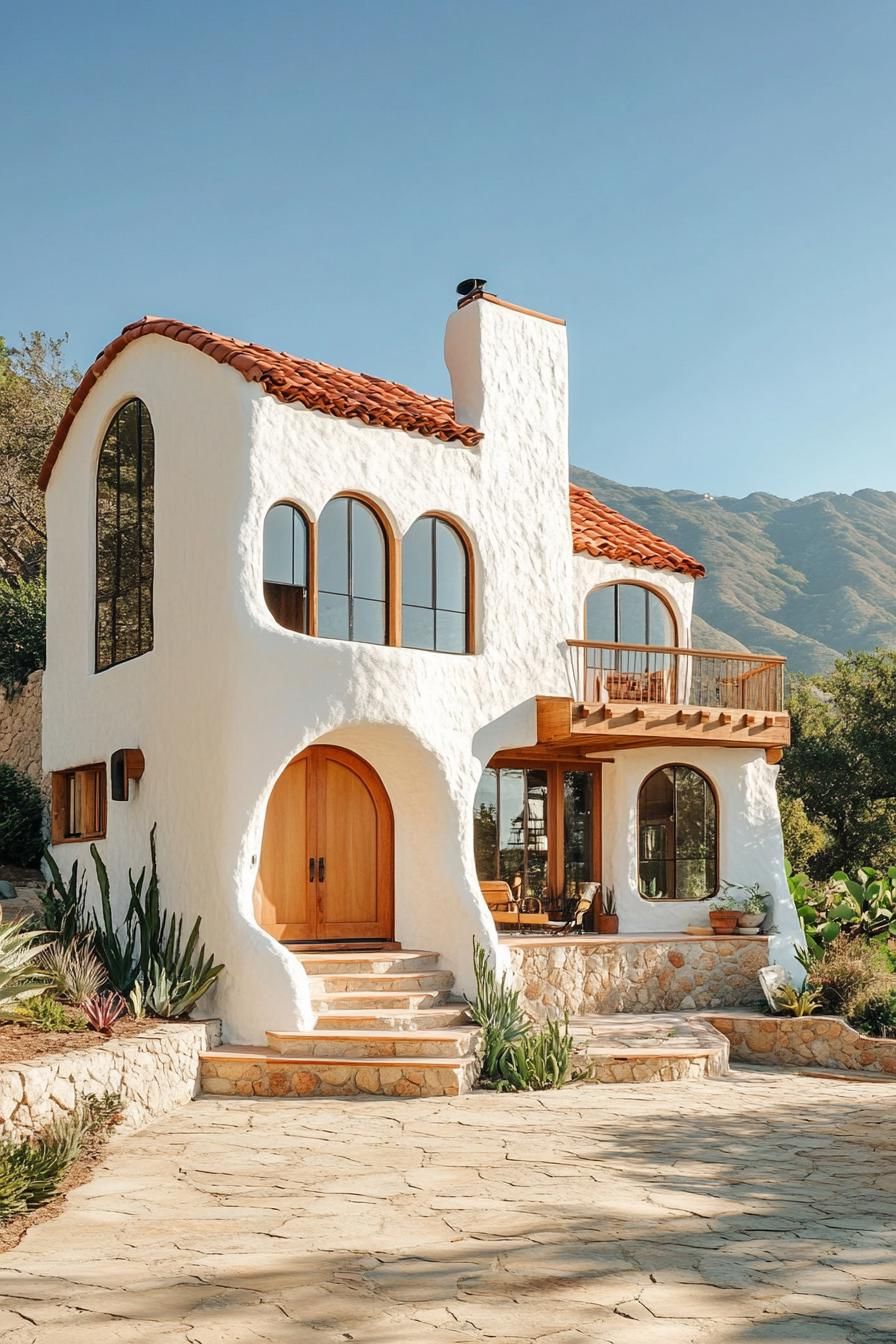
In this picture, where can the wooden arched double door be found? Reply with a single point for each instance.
(326, 866)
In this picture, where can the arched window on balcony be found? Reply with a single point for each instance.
(353, 573)
(435, 587)
(285, 566)
(124, 537)
(678, 829)
(624, 622)
(628, 613)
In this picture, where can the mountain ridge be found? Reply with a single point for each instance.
(808, 578)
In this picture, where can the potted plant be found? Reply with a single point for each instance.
(723, 914)
(608, 920)
(753, 908)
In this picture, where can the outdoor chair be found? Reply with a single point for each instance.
(576, 921)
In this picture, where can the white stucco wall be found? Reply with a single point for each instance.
(227, 698)
(751, 848)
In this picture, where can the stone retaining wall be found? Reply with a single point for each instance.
(153, 1073)
(20, 728)
(636, 974)
(825, 1042)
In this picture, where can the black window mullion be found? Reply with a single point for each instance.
(349, 583)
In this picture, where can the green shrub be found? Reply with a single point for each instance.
(863, 907)
(21, 818)
(31, 1170)
(515, 1056)
(878, 1017)
(49, 1014)
(23, 620)
(849, 976)
(20, 950)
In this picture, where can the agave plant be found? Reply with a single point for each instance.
(792, 1002)
(115, 946)
(64, 903)
(74, 972)
(103, 1011)
(20, 971)
(537, 1060)
(497, 1010)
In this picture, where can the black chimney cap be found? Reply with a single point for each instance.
(468, 287)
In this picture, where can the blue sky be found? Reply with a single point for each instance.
(705, 191)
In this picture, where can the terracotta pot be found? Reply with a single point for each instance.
(723, 921)
(608, 923)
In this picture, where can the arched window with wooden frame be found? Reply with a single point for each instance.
(629, 613)
(436, 587)
(355, 573)
(125, 484)
(678, 835)
(285, 566)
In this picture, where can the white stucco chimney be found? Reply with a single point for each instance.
(508, 369)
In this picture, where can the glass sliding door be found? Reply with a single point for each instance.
(535, 829)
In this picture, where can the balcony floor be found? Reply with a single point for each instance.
(574, 728)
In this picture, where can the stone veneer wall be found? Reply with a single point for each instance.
(636, 975)
(20, 728)
(153, 1073)
(825, 1042)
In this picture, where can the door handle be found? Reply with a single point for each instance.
(310, 870)
(321, 870)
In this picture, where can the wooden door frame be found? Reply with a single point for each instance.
(555, 769)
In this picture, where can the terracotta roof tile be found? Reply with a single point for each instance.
(320, 387)
(599, 530)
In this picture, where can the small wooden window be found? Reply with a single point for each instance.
(79, 804)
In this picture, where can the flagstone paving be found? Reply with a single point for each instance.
(757, 1207)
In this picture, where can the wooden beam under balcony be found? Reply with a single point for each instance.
(618, 726)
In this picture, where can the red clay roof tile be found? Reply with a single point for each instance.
(320, 387)
(596, 529)
(599, 530)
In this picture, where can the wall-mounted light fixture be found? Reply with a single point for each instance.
(127, 764)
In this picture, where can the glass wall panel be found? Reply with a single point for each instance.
(578, 825)
(417, 566)
(512, 828)
(368, 550)
(285, 566)
(485, 826)
(600, 615)
(451, 569)
(332, 548)
(625, 613)
(536, 869)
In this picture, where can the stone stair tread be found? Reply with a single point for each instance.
(406, 954)
(259, 1054)
(385, 997)
(376, 1033)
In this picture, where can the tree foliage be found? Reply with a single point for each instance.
(841, 767)
(23, 620)
(35, 386)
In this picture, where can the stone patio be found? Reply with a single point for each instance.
(757, 1207)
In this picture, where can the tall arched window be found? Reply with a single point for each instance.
(435, 588)
(124, 537)
(628, 613)
(678, 824)
(352, 573)
(285, 566)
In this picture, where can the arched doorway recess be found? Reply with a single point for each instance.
(326, 868)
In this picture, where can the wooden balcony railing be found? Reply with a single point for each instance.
(640, 674)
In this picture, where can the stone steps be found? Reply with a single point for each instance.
(384, 1026)
(647, 1048)
(391, 999)
(252, 1072)
(410, 982)
(401, 1019)
(331, 1043)
(367, 963)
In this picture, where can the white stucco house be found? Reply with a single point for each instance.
(357, 650)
